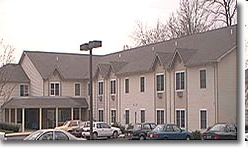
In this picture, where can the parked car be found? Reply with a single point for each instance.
(169, 132)
(139, 131)
(77, 132)
(51, 134)
(221, 131)
(70, 125)
(100, 129)
(2, 136)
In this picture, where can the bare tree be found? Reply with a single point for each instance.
(224, 11)
(6, 57)
(144, 35)
(191, 18)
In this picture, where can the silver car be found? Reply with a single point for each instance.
(51, 134)
(100, 129)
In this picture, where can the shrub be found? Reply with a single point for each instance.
(196, 135)
(10, 127)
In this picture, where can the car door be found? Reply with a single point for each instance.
(169, 132)
(178, 134)
(107, 131)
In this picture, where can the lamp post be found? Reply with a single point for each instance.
(85, 47)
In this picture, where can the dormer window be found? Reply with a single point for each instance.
(23, 90)
(54, 89)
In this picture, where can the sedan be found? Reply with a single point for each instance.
(221, 131)
(139, 131)
(51, 134)
(169, 132)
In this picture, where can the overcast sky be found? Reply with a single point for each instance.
(62, 25)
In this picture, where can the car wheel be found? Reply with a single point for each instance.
(187, 138)
(115, 135)
(142, 137)
(95, 135)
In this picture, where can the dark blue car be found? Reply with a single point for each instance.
(169, 132)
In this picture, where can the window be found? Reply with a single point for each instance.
(180, 116)
(113, 87)
(179, 80)
(113, 116)
(60, 136)
(160, 116)
(77, 89)
(142, 84)
(54, 89)
(203, 78)
(19, 115)
(203, 119)
(127, 116)
(160, 82)
(143, 116)
(12, 114)
(100, 88)
(100, 115)
(126, 85)
(23, 90)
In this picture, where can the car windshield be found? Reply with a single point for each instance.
(137, 126)
(34, 135)
(218, 127)
(66, 123)
(158, 128)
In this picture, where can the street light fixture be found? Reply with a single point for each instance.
(85, 47)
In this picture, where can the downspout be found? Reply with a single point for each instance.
(216, 91)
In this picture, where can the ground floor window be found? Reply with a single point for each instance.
(64, 115)
(19, 115)
(203, 119)
(76, 113)
(126, 116)
(48, 117)
(12, 111)
(6, 115)
(180, 116)
(100, 115)
(113, 116)
(160, 116)
(142, 116)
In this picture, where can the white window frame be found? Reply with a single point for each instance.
(205, 78)
(101, 109)
(114, 86)
(54, 88)
(185, 121)
(125, 85)
(200, 118)
(144, 84)
(98, 92)
(158, 74)
(160, 109)
(80, 87)
(180, 89)
(113, 109)
(24, 90)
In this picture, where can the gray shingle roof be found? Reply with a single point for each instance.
(41, 102)
(194, 50)
(13, 73)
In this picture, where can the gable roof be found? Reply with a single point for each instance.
(13, 73)
(196, 49)
(69, 66)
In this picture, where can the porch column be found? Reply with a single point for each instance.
(15, 115)
(40, 112)
(72, 113)
(23, 119)
(57, 116)
(80, 113)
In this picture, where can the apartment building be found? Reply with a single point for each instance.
(190, 81)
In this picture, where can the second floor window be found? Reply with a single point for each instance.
(180, 80)
(113, 87)
(203, 78)
(54, 89)
(77, 89)
(23, 90)
(126, 86)
(142, 84)
(160, 82)
(100, 88)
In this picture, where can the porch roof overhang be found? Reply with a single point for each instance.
(46, 102)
